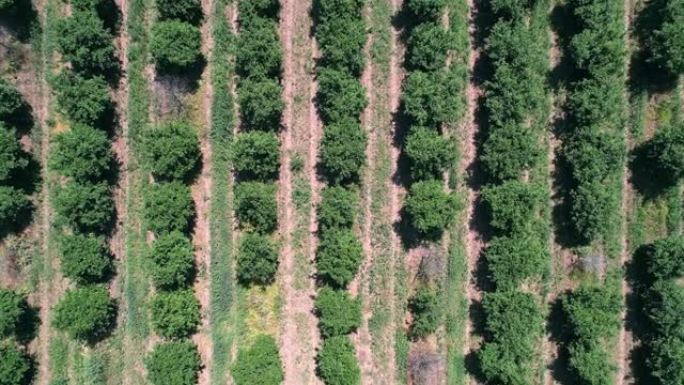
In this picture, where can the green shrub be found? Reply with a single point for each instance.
(664, 304)
(86, 207)
(666, 152)
(510, 150)
(183, 10)
(256, 155)
(666, 361)
(13, 307)
(428, 97)
(256, 207)
(86, 313)
(429, 153)
(591, 363)
(341, 97)
(175, 314)
(259, 364)
(82, 153)
(168, 207)
(339, 256)
(83, 40)
(252, 9)
(261, 103)
(513, 205)
(515, 259)
(175, 46)
(12, 104)
(430, 209)
(15, 366)
(666, 258)
(13, 204)
(666, 42)
(427, 10)
(510, 8)
(173, 363)
(338, 312)
(342, 42)
(258, 51)
(591, 207)
(426, 310)
(337, 209)
(592, 312)
(12, 158)
(85, 258)
(338, 9)
(171, 151)
(428, 46)
(594, 155)
(173, 261)
(343, 151)
(83, 100)
(337, 364)
(257, 261)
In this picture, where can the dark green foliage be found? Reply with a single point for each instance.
(594, 155)
(82, 153)
(12, 103)
(429, 153)
(428, 46)
(513, 260)
(666, 258)
(337, 363)
(430, 208)
(86, 207)
(339, 9)
(12, 158)
(173, 363)
(250, 10)
(6, 5)
(427, 10)
(13, 203)
(343, 151)
(592, 312)
(257, 261)
(83, 40)
(171, 151)
(86, 313)
(173, 260)
(666, 42)
(591, 205)
(513, 205)
(339, 257)
(260, 104)
(591, 363)
(509, 151)
(175, 46)
(168, 207)
(83, 100)
(596, 104)
(256, 155)
(175, 314)
(342, 42)
(428, 97)
(85, 258)
(510, 8)
(337, 209)
(341, 97)
(666, 361)
(183, 10)
(13, 307)
(259, 364)
(258, 51)
(664, 304)
(666, 152)
(427, 312)
(256, 207)
(338, 312)
(15, 366)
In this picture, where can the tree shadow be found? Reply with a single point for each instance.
(29, 322)
(559, 334)
(22, 20)
(477, 317)
(646, 178)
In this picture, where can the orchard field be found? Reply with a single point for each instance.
(341, 192)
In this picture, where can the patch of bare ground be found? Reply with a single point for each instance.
(299, 337)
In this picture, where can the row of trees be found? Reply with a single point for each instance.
(256, 163)
(516, 103)
(340, 31)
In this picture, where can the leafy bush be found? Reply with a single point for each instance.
(427, 10)
(260, 103)
(259, 364)
(338, 312)
(83, 40)
(173, 363)
(428, 46)
(666, 258)
(86, 207)
(427, 97)
(12, 158)
(338, 9)
(12, 104)
(666, 42)
(342, 42)
(663, 304)
(594, 155)
(337, 363)
(430, 209)
(666, 361)
(173, 261)
(83, 100)
(256, 207)
(513, 205)
(86, 313)
(251, 9)
(513, 260)
(82, 153)
(339, 257)
(508, 151)
(175, 46)
(85, 258)
(15, 366)
(337, 208)
(427, 313)
(591, 206)
(171, 151)
(183, 10)
(175, 314)
(341, 97)
(343, 151)
(168, 207)
(666, 152)
(13, 203)
(592, 312)
(258, 51)
(429, 153)
(510, 8)
(591, 363)
(13, 307)
(256, 155)
(257, 262)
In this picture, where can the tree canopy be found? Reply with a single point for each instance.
(337, 209)
(338, 312)
(256, 207)
(85, 258)
(342, 153)
(12, 158)
(183, 10)
(261, 103)
(256, 155)
(173, 363)
(13, 307)
(175, 314)
(82, 153)
(257, 261)
(168, 207)
(429, 153)
(15, 366)
(339, 257)
(83, 40)
(175, 46)
(86, 313)
(341, 97)
(430, 209)
(337, 363)
(173, 260)
(86, 207)
(171, 151)
(83, 100)
(259, 364)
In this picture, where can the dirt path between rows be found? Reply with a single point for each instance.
(299, 337)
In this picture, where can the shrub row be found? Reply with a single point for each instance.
(15, 364)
